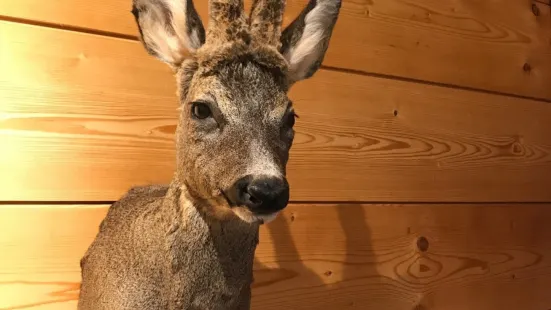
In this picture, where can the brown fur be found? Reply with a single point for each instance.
(186, 246)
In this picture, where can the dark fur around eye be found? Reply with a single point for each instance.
(287, 131)
(200, 110)
(290, 119)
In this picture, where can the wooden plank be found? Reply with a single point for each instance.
(478, 257)
(86, 117)
(478, 44)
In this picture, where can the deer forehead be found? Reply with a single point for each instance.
(242, 97)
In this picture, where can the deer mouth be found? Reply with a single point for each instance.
(228, 200)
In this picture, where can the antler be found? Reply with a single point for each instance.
(266, 19)
(228, 22)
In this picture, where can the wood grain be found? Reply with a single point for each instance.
(478, 257)
(478, 44)
(85, 117)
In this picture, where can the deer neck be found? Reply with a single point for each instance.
(221, 247)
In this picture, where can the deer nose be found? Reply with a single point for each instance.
(262, 195)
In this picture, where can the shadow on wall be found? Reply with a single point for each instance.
(322, 276)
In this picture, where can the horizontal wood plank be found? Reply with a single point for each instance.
(85, 117)
(478, 44)
(477, 257)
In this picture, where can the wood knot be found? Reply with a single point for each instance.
(395, 112)
(535, 9)
(527, 67)
(292, 217)
(422, 244)
(166, 129)
(517, 148)
(328, 273)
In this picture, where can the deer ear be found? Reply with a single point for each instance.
(169, 28)
(305, 40)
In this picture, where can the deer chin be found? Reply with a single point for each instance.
(267, 218)
(246, 215)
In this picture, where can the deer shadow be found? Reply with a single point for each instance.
(339, 275)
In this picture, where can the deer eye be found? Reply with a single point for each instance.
(200, 110)
(291, 117)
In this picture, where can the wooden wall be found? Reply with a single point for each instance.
(420, 175)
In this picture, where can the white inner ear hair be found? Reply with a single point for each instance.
(170, 48)
(307, 50)
(179, 23)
